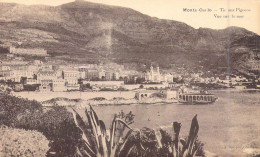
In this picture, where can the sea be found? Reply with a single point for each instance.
(228, 127)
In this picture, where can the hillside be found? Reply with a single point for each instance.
(89, 32)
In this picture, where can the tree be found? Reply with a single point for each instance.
(140, 80)
(23, 80)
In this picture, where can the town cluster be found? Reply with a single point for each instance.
(50, 75)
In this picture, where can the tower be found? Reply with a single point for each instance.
(151, 73)
(151, 69)
(157, 70)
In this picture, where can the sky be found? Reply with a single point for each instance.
(196, 13)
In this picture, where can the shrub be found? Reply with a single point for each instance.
(98, 99)
(12, 108)
(56, 123)
(158, 95)
(141, 143)
(19, 142)
(176, 146)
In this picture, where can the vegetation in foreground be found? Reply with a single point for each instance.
(92, 138)
(19, 142)
(123, 141)
(55, 123)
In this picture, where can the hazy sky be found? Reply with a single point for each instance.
(174, 10)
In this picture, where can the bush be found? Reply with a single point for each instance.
(158, 95)
(12, 108)
(122, 89)
(56, 123)
(98, 99)
(19, 142)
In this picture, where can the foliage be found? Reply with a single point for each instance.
(19, 142)
(141, 143)
(144, 143)
(33, 87)
(56, 123)
(98, 98)
(127, 118)
(122, 89)
(107, 89)
(11, 108)
(96, 140)
(158, 95)
(72, 136)
(177, 147)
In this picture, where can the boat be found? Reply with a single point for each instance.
(197, 98)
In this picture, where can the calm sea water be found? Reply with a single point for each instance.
(226, 127)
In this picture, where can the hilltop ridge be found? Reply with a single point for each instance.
(91, 32)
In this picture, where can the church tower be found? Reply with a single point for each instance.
(151, 69)
(157, 70)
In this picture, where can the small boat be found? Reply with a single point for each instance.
(197, 98)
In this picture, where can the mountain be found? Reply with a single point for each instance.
(88, 32)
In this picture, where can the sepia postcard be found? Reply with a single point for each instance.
(129, 78)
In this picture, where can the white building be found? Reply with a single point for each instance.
(58, 85)
(31, 81)
(71, 76)
(46, 75)
(33, 52)
(153, 75)
(167, 78)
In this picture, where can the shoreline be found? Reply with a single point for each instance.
(84, 103)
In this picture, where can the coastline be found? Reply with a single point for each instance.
(79, 104)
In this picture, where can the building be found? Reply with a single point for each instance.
(58, 85)
(170, 94)
(18, 87)
(82, 74)
(24, 51)
(16, 75)
(30, 81)
(5, 67)
(92, 74)
(167, 78)
(45, 86)
(46, 67)
(102, 75)
(115, 76)
(46, 75)
(142, 95)
(153, 75)
(73, 87)
(108, 76)
(5, 74)
(71, 76)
